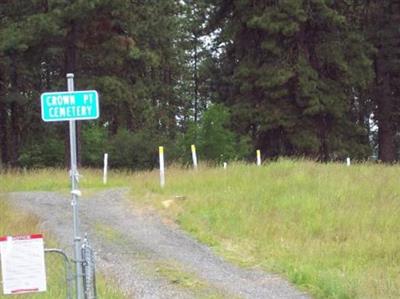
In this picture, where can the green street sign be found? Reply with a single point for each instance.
(70, 105)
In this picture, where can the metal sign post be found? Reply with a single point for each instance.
(75, 194)
(71, 106)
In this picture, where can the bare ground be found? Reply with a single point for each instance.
(145, 257)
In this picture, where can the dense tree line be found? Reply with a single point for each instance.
(313, 78)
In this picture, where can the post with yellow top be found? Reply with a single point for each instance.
(258, 157)
(162, 169)
(194, 156)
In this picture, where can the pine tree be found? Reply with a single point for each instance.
(22, 30)
(289, 70)
(125, 50)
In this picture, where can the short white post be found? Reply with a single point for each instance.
(348, 161)
(162, 169)
(225, 165)
(105, 168)
(258, 157)
(194, 156)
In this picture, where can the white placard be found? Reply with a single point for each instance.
(22, 264)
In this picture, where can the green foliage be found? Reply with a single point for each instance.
(296, 68)
(48, 152)
(138, 150)
(299, 77)
(129, 150)
(126, 51)
(94, 140)
(213, 139)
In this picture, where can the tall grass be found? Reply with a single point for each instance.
(330, 229)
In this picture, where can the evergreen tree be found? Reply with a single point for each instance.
(23, 29)
(195, 81)
(290, 70)
(125, 50)
(298, 77)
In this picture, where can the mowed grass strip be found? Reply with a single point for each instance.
(13, 222)
(330, 229)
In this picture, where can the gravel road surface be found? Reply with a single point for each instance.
(144, 256)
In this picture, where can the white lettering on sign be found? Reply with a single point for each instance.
(60, 100)
(88, 99)
(72, 111)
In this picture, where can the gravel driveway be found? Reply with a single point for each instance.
(144, 256)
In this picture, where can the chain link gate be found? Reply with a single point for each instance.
(88, 270)
(67, 267)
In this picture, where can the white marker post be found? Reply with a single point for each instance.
(348, 161)
(105, 168)
(225, 165)
(194, 156)
(258, 157)
(162, 169)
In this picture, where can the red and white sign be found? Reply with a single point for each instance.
(22, 264)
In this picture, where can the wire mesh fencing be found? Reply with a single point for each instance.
(88, 271)
(60, 280)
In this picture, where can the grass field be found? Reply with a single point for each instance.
(330, 229)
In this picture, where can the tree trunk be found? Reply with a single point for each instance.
(3, 124)
(386, 130)
(387, 148)
(3, 133)
(196, 80)
(385, 82)
(15, 134)
(384, 113)
(323, 128)
(14, 114)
